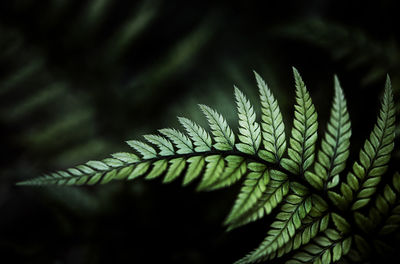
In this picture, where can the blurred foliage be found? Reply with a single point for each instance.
(77, 78)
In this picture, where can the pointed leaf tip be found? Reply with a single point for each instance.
(295, 71)
(336, 80)
(388, 84)
(388, 81)
(256, 75)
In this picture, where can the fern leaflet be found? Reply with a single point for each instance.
(273, 129)
(304, 131)
(335, 145)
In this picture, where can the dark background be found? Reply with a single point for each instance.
(78, 78)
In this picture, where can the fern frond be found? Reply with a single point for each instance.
(223, 134)
(147, 151)
(214, 169)
(181, 141)
(331, 158)
(249, 129)
(384, 216)
(275, 191)
(304, 131)
(253, 189)
(341, 223)
(273, 128)
(315, 222)
(392, 197)
(302, 226)
(175, 169)
(196, 165)
(236, 167)
(327, 248)
(201, 138)
(374, 156)
(283, 229)
(165, 146)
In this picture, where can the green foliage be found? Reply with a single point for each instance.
(374, 157)
(334, 146)
(329, 247)
(304, 131)
(309, 192)
(273, 129)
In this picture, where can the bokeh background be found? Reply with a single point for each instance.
(78, 78)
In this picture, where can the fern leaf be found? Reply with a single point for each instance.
(308, 231)
(147, 151)
(384, 216)
(341, 224)
(223, 134)
(235, 169)
(165, 146)
(158, 168)
(331, 158)
(196, 165)
(304, 131)
(391, 197)
(249, 129)
(287, 222)
(253, 188)
(121, 166)
(275, 191)
(177, 166)
(327, 248)
(273, 128)
(301, 225)
(140, 169)
(375, 154)
(181, 141)
(315, 222)
(214, 169)
(126, 157)
(201, 138)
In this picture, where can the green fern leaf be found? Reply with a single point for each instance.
(223, 134)
(196, 165)
(392, 198)
(273, 128)
(165, 146)
(177, 166)
(181, 141)
(275, 191)
(334, 146)
(304, 131)
(315, 222)
(284, 228)
(341, 224)
(253, 188)
(147, 151)
(235, 169)
(327, 248)
(214, 169)
(301, 226)
(158, 168)
(201, 138)
(249, 129)
(124, 157)
(375, 154)
(140, 169)
(384, 216)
